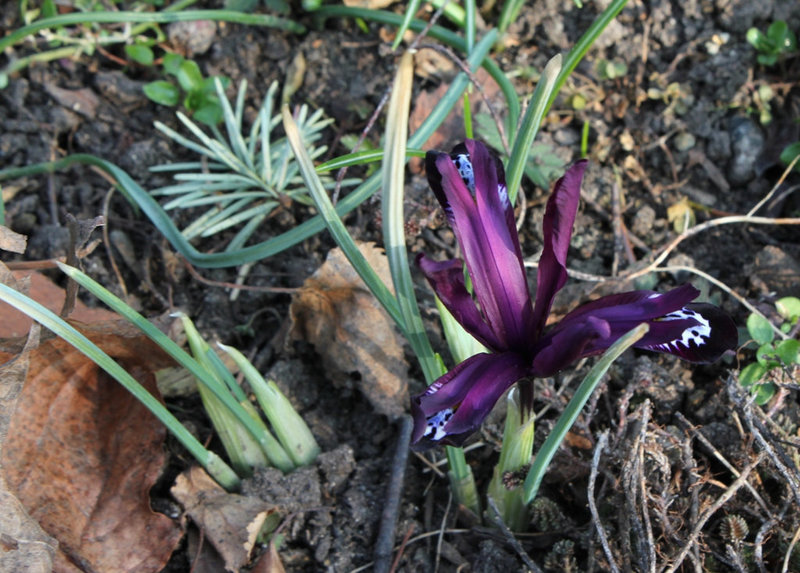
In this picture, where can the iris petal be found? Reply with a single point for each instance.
(456, 404)
(483, 221)
(694, 332)
(708, 334)
(559, 217)
(447, 280)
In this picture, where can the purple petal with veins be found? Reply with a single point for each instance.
(559, 217)
(456, 404)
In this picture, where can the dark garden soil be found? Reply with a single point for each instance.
(682, 123)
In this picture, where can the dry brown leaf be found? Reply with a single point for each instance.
(350, 330)
(15, 324)
(82, 454)
(231, 522)
(443, 137)
(83, 101)
(11, 241)
(25, 546)
(369, 4)
(270, 561)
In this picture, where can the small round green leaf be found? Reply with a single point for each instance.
(789, 307)
(787, 351)
(163, 92)
(757, 39)
(751, 374)
(172, 63)
(766, 356)
(764, 393)
(140, 54)
(209, 113)
(760, 329)
(189, 76)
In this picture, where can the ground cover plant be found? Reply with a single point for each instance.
(654, 465)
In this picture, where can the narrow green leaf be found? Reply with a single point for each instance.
(180, 355)
(573, 410)
(335, 224)
(530, 126)
(290, 428)
(394, 236)
(216, 467)
(411, 10)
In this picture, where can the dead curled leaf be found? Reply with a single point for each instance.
(231, 522)
(25, 546)
(82, 454)
(11, 241)
(40, 288)
(350, 330)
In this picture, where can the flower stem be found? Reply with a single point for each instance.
(573, 409)
(515, 456)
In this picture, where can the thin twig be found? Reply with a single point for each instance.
(222, 284)
(775, 187)
(394, 490)
(790, 550)
(711, 510)
(648, 527)
(693, 479)
(474, 80)
(773, 449)
(382, 103)
(602, 442)
(442, 527)
(742, 300)
(407, 542)
(401, 549)
(696, 432)
(509, 537)
(630, 470)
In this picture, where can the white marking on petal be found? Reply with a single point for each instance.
(699, 334)
(502, 191)
(436, 424)
(464, 166)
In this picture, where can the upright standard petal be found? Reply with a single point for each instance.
(470, 186)
(456, 404)
(559, 217)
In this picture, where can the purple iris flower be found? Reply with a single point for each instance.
(470, 185)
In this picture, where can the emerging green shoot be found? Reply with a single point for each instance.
(290, 428)
(199, 95)
(245, 450)
(779, 42)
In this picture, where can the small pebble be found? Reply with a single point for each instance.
(747, 142)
